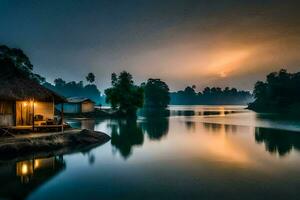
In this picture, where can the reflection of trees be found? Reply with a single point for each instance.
(184, 113)
(154, 112)
(217, 128)
(278, 141)
(156, 123)
(190, 125)
(156, 127)
(125, 134)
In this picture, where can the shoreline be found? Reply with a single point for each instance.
(71, 141)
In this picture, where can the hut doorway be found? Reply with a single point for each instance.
(24, 113)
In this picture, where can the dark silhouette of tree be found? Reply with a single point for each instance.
(280, 93)
(156, 127)
(156, 94)
(124, 95)
(126, 134)
(190, 91)
(90, 78)
(75, 89)
(20, 61)
(278, 141)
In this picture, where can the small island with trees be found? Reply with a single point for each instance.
(280, 93)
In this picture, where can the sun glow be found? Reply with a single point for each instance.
(223, 63)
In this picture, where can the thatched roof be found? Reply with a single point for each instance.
(15, 86)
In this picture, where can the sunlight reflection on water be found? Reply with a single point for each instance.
(196, 152)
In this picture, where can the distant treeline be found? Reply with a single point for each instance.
(211, 96)
(76, 89)
(279, 93)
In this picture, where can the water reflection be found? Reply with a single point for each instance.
(83, 123)
(217, 128)
(206, 110)
(212, 157)
(278, 141)
(124, 135)
(128, 133)
(154, 112)
(155, 127)
(183, 113)
(19, 179)
(190, 125)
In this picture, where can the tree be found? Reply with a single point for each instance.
(279, 93)
(124, 95)
(77, 89)
(90, 78)
(156, 94)
(59, 82)
(190, 91)
(20, 61)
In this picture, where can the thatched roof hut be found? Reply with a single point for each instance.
(16, 86)
(23, 99)
(76, 105)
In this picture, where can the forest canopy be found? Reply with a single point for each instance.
(279, 93)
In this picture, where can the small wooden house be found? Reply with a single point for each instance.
(26, 103)
(77, 105)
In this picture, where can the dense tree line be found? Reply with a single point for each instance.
(210, 96)
(76, 89)
(279, 93)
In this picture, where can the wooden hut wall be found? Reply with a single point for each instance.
(72, 108)
(6, 113)
(87, 107)
(46, 109)
(24, 111)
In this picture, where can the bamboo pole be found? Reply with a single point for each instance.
(62, 117)
(33, 114)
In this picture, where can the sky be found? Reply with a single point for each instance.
(183, 42)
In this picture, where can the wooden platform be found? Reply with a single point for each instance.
(35, 127)
(13, 130)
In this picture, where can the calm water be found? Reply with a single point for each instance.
(209, 152)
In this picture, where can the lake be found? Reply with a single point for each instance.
(198, 152)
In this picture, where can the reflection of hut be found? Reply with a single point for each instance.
(19, 179)
(77, 105)
(26, 169)
(24, 101)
